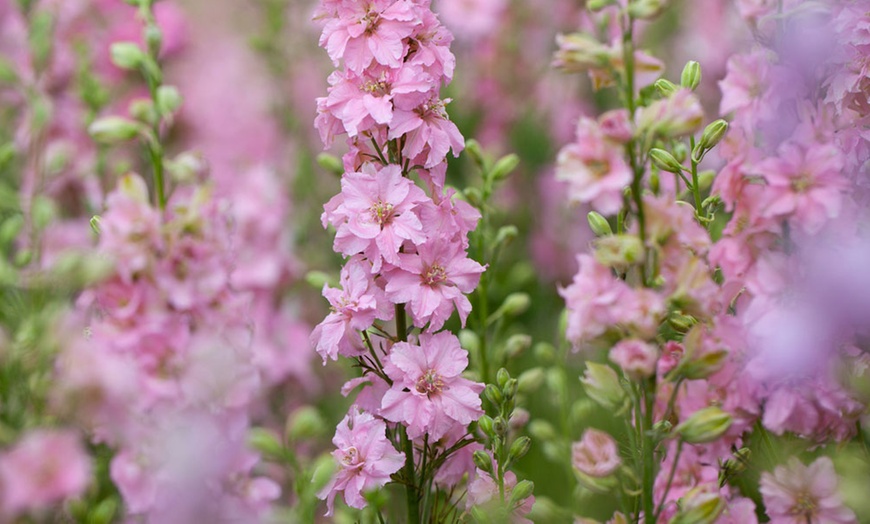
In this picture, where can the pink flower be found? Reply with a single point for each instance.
(429, 394)
(799, 494)
(44, 467)
(430, 133)
(594, 300)
(354, 308)
(130, 227)
(363, 31)
(365, 458)
(483, 490)
(433, 282)
(805, 185)
(636, 358)
(596, 454)
(373, 214)
(594, 168)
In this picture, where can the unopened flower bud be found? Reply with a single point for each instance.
(318, 279)
(579, 52)
(472, 147)
(699, 507)
(469, 340)
(581, 411)
(154, 38)
(521, 492)
(712, 135)
(602, 385)
(113, 129)
(698, 361)
(665, 87)
(142, 110)
(665, 161)
(499, 426)
(599, 225)
(544, 353)
(506, 234)
(517, 344)
(168, 100)
(504, 167)
(104, 512)
(618, 250)
(186, 167)
(304, 423)
(474, 196)
(265, 442)
(520, 447)
(330, 163)
(501, 377)
(126, 55)
(10, 228)
(542, 430)
(598, 5)
(530, 380)
(482, 460)
(646, 9)
(510, 388)
(705, 425)
(691, 77)
(485, 425)
(493, 394)
(516, 304)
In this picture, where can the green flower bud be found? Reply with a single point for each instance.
(265, 442)
(304, 423)
(113, 129)
(698, 362)
(469, 340)
(691, 76)
(506, 234)
(530, 380)
(482, 460)
(598, 5)
(705, 425)
(318, 279)
(602, 385)
(168, 100)
(23, 257)
(104, 512)
(712, 135)
(504, 167)
(521, 492)
(665, 87)
(143, 110)
(542, 430)
(544, 353)
(7, 72)
(154, 38)
(699, 507)
(705, 179)
(472, 147)
(485, 425)
(618, 250)
(501, 377)
(493, 394)
(517, 344)
(330, 163)
(474, 196)
(324, 469)
(520, 447)
(665, 161)
(556, 380)
(510, 388)
(646, 9)
(598, 224)
(186, 167)
(126, 55)
(499, 426)
(10, 228)
(581, 411)
(515, 304)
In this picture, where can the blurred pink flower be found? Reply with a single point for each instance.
(596, 454)
(799, 494)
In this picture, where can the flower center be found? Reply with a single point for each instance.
(804, 506)
(350, 456)
(435, 274)
(802, 183)
(431, 382)
(381, 212)
(371, 20)
(598, 168)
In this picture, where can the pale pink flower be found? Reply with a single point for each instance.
(594, 300)
(805, 185)
(374, 215)
(429, 132)
(429, 394)
(44, 467)
(130, 227)
(365, 458)
(677, 115)
(636, 358)
(434, 282)
(596, 454)
(472, 19)
(746, 84)
(354, 308)
(594, 168)
(799, 494)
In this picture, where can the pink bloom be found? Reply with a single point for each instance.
(483, 490)
(804, 184)
(799, 494)
(354, 308)
(43, 468)
(594, 168)
(363, 31)
(130, 227)
(429, 394)
(746, 84)
(365, 458)
(433, 282)
(596, 454)
(636, 357)
(430, 133)
(594, 300)
(374, 214)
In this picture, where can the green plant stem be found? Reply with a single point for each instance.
(661, 504)
(649, 462)
(411, 494)
(696, 191)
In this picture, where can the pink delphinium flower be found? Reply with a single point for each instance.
(373, 214)
(429, 133)
(594, 300)
(594, 168)
(799, 494)
(354, 308)
(472, 19)
(636, 358)
(429, 394)
(43, 468)
(365, 458)
(596, 454)
(434, 281)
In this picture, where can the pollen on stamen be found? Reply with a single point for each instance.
(435, 274)
(431, 382)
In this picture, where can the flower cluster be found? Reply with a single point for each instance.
(406, 248)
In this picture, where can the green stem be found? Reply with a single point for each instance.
(661, 505)
(649, 462)
(411, 494)
(696, 191)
